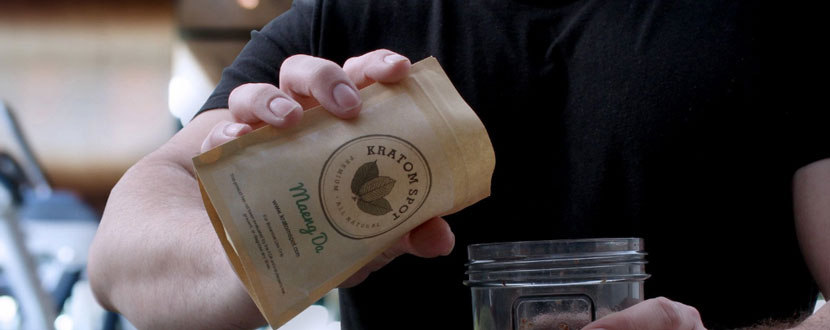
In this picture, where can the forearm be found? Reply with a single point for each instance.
(166, 269)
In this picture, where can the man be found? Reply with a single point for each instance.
(608, 119)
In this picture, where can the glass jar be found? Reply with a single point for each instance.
(559, 284)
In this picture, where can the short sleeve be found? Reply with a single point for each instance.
(260, 60)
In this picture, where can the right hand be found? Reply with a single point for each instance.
(307, 81)
(653, 314)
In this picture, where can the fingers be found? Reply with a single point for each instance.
(306, 81)
(380, 65)
(252, 103)
(657, 313)
(431, 239)
(223, 132)
(307, 78)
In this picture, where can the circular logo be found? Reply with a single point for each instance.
(372, 184)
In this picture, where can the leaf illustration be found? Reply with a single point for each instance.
(363, 174)
(376, 207)
(376, 188)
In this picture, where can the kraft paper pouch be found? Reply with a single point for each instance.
(300, 210)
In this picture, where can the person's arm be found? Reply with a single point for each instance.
(811, 197)
(156, 258)
(811, 201)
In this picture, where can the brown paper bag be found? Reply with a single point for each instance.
(300, 210)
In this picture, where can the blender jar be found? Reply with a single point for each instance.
(559, 284)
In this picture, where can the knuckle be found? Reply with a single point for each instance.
(662, 301)
(352, 61)
(249, 87)
(378, 56)
(324, 71)
(668, 310)
(214, 137)
(382, 51)
(247, 94)
(293, 60)
(693, 312)
(375, 55)
(237, 92)
(304, 73)
(263, 93)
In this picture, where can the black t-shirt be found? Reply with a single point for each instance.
(609, 119)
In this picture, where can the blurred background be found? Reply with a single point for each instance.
(88, 87)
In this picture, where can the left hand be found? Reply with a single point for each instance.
(657, 314)
(252, 106)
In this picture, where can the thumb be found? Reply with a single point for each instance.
(222, 132)
(431, 239)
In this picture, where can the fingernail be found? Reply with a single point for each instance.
(345, 96)
(281, 107)
(233, 129)
(394, 58)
